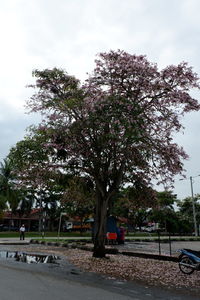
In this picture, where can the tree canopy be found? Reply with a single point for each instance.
(118, 126)
(8, 193)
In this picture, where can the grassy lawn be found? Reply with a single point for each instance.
(12, 234)
(7, 234)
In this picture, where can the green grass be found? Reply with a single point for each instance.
(9, 234)
(141, 234)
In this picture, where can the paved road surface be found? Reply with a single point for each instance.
(20, 282)
(18, 285)
(153, 247)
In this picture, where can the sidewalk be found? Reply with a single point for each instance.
(14, 241)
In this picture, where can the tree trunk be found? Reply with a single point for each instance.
(81, 229)
(100, 227)
(40, 223)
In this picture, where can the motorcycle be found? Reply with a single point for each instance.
(189, 261)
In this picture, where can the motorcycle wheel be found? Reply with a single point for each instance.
(186, 269)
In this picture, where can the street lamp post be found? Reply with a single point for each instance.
(193, 208)
(59, 226)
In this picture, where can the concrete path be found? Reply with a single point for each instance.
(27, 239)
(14, 241)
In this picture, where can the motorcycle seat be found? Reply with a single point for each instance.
(197, 253)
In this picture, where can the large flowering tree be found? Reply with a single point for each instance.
(117, 127)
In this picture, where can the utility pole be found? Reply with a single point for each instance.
(193, 208)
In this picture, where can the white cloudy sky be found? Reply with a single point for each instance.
(69, 33)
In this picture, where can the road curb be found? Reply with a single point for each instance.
(14, 243)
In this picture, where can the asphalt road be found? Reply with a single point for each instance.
(153, 247)
(20, 281)
(18, 285)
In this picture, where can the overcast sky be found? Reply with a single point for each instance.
(38, 34)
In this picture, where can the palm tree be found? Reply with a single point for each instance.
(7, 190)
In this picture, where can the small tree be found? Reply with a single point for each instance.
(164, 213)
(78, 199)
(133, 203)
(9, 194)
(37, 182)
(186, 210)
(118, 126)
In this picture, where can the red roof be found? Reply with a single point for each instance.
(33, 215)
